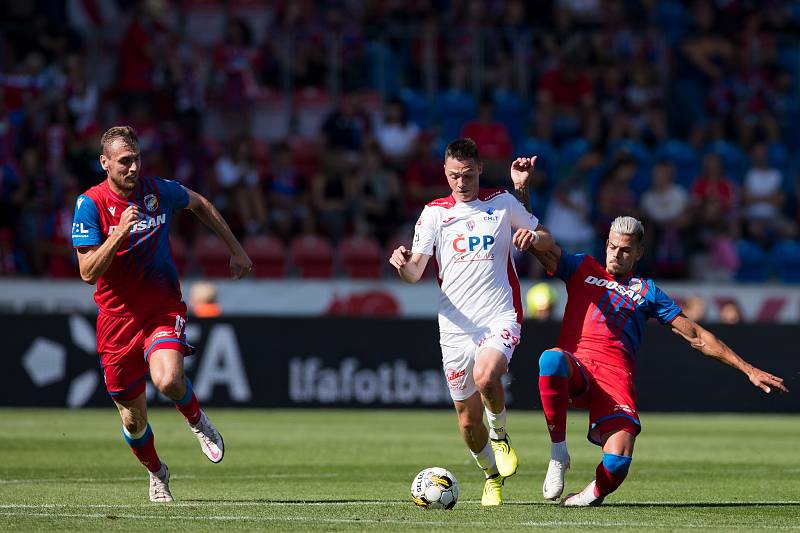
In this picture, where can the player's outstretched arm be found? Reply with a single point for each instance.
(703, 340)
(241, 265)
(541, 244)
(521, 172)
(93, 261)
(409, 266)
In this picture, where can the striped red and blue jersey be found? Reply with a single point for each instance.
(605, 315)
(142, 276)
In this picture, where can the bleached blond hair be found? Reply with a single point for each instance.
(628, 226)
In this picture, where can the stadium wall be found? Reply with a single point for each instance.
(378, 362)
(771, 303)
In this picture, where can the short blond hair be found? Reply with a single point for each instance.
(628, 226)
(126, 133)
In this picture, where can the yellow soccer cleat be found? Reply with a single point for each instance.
(493, 491)
(505, 456)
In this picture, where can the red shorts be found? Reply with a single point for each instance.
(608, 392)
(126, 342)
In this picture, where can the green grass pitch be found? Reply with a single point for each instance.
(336, 470)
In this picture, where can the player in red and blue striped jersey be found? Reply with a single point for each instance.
(121, 234)
(594, 363)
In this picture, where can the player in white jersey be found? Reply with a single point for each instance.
(469, 233)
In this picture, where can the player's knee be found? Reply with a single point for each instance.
(170, 384)
(484, 380)
(617, 465)
(553, 363)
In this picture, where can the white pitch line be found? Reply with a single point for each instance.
(337, 503)
(174, 477)
(530, 523)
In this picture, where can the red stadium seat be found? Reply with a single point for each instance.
(312, 256)
(360, 257)
(180, 254)
(268, 255)
(213, 257)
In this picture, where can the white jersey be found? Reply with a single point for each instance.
(471, 245)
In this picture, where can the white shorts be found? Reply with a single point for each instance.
(459, 351)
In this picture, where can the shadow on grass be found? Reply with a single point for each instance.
(676, 504)
(285, 502)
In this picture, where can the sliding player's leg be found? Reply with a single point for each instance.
(614, 425)
(560, 378)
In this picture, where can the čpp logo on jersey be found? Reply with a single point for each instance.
(462, 244)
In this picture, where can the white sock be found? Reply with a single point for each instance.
(497, 424)
(558, 451)
(485, 460)
(137, 435)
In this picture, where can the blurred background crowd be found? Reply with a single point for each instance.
(318, 128)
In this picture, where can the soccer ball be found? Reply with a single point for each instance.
(434, 488)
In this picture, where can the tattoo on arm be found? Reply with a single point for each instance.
(524, 198)
(548, 259)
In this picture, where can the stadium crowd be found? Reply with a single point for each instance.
(321, 125)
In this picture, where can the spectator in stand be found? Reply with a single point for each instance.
(142, 51)
(695, 308)
(236, 61)
(239, 182)
(568, 214)
(753, 82)
(376, 195)
(36, 198)
(396, 135)
(566, 104)
(616, 197)
(287, 193)
(730, 313)
(203, 300)
(763, 200)
(494, 143)
(714, 209)
(700, 63)
(301, 45)
(346, 126)
(423, 177)
(332, 193)
(666, 207)
(714, 195)
(644, 105)
(82, 94)
(61, 259)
